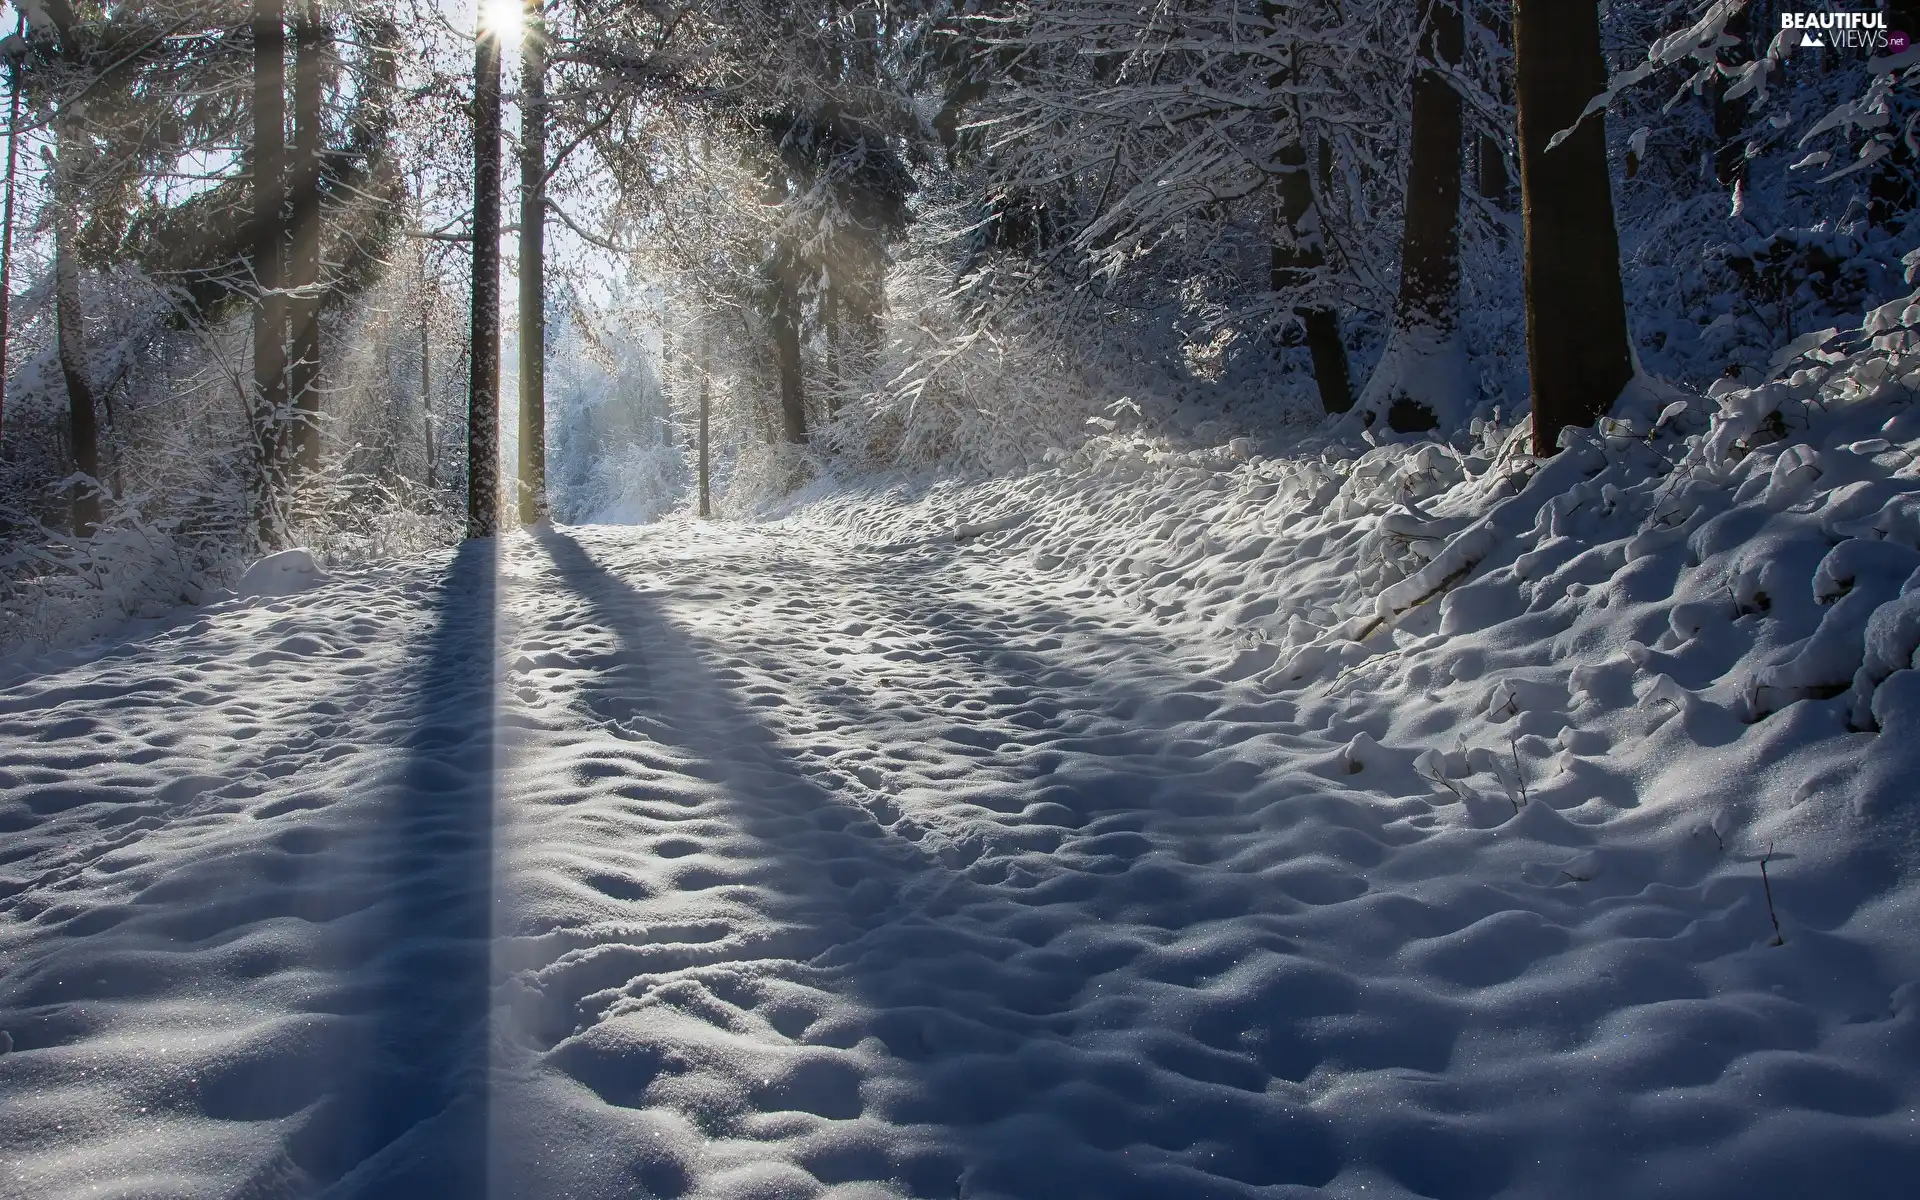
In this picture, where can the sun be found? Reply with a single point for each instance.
(506, 19)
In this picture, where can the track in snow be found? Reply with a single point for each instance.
(703, 862)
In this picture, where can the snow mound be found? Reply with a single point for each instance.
(286, 573)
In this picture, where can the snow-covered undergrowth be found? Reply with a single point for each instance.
(58, 592)
(1694, 566)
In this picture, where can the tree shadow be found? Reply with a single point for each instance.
(977, 1026)
(406, 1110)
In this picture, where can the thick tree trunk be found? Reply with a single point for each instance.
(786, 348)
(6, 235)
(270, 415)
(303, 276)
(1422, 375)
(483, 379)
(83, 430)
(533, 265)
(1430, 240)
(1577, 352)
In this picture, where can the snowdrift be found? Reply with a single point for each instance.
(1715, 559)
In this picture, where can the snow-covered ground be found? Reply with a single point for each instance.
(1407, 823)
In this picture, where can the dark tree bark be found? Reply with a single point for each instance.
(483, 378)
(533, 265)
(1430, 241)
(6, 235)
(1730, 117)
(270, 415)
(83, 429)
(1577, 351)
(1426, 312)
(1295, 257)
(786, 346)
(1296, 254)
(1891, 196)
(303, 275)
(1491, 177)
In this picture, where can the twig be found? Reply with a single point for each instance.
(1519, 776)
(1779, 939)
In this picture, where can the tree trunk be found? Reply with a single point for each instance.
(1577, 352)
(1430, 241)
(1891, 196)
(706, 413)
(6, 235)
(786, 347)
(1297, 250)
(426, 379)
(303, 277)
(82, 424)
(483, 378)
(1421, 375)
(1296, 254)
(1491, 177)
(269, 229)
(533, 265)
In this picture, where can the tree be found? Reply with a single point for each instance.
(533, 265)
(83, 429)
(705, 428)
(270, 238)
(6, 228)
(784, 315)
(1299, 249)
(483, 379)
(1423, 374)
(303, 276)
(1577, 352)
(1295, 258)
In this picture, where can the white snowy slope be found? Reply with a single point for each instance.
(1084, 854)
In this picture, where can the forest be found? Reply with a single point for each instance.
(959, 600)
(255, 248)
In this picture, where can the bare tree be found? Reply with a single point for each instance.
(1296, 256)
(6, 230)
(533, 266)
(270, 235)
(483, 379)
(785, 316)
(706, 416)
(303, 275)
(83, 428)
(1415, 372)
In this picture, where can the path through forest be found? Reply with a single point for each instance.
(739, 862)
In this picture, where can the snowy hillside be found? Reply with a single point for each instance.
(1404, 821)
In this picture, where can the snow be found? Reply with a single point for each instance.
(1356, 821)
(284, 573)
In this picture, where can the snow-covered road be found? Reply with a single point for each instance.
(715, 861)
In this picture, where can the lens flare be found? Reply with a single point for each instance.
(504, 19)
